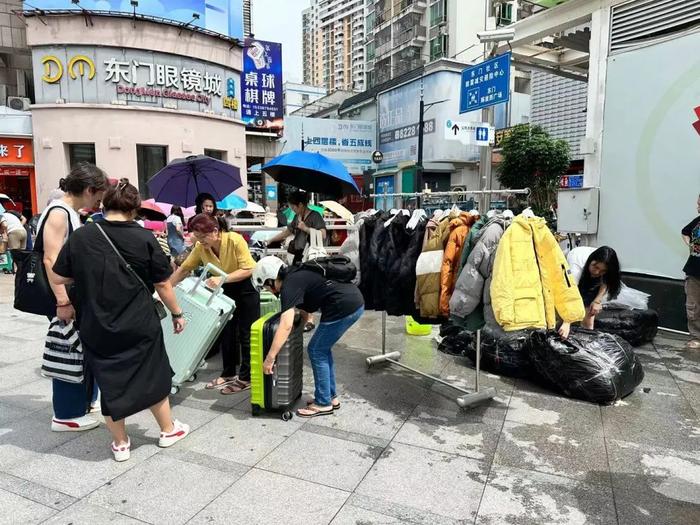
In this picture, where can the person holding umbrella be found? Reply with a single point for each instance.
(304, 219)
(228, 251)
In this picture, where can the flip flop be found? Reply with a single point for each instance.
(213, 385)
(336, 406)
(315, 411)
(236, 386)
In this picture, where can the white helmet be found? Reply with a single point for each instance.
(267, 268)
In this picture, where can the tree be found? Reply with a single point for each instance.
(533, 159)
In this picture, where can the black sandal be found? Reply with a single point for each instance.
(336, 406)
(314, 411)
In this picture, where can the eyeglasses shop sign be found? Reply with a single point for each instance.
(90, 75)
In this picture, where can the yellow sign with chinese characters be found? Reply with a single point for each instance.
(231, 103)
(53, 68)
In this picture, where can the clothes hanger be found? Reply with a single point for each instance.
(508, 214)
(528, 213)
(474, 213)
(415, 219)
(491, 214)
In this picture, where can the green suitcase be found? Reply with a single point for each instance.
(279, 391)
(269, 303)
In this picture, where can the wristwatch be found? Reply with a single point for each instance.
(176, 316)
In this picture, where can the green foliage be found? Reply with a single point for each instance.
(532, 159)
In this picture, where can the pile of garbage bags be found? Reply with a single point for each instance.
(634, 326)
(589, 365)
(503, 353)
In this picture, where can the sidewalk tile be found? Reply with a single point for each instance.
(32, 396)
(555, 412)
(162, 490)
(87, 460)
(144, 426)
(83, 513)
(649, 507)
(18, 374)
(454, 432)
(35, 492)
(16, 510)
(374, 510)
(520, 497)
(579, 455)
(350, 515)
(239, 437)
(262, 498)
(428, 481)
(325, 460)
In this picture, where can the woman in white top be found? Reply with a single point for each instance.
(83, 188)
(176, 234)
(11, 226)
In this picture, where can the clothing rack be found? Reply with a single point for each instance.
(469, 398)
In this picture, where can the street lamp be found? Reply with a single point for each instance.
(422, 107)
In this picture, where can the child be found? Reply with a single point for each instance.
(597, 277)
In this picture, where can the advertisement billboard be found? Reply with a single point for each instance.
(399, 117)
(261, 84)
(109, 75)
(348, 141)
(649, 180)
(221, 16)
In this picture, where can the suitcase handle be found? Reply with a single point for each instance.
(208, 270)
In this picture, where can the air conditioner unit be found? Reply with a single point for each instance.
(19, 103)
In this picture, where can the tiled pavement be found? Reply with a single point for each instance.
(398, 451)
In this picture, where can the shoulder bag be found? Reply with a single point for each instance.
(315, 248)
(33, 294)
(159, 306)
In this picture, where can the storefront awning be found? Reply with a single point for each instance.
(439, 167)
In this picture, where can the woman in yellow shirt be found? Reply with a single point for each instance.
(228, 251)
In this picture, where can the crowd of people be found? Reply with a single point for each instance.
(104, 276)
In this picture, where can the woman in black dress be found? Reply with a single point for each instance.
(120, 327)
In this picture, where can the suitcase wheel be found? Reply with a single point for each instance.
(174, 389)
(286, 416)
(255, 410)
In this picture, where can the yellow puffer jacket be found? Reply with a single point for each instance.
(531, 279)
(428, 268)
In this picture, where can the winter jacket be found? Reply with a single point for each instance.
(351, 249)
(459, 229)
(429, 266)
(531, 279)
(472, 239)
(368, 260)
(470, 290)
(401, 250)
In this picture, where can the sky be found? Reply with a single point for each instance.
(280, 21)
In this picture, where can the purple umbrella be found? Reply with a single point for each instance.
(183, 179)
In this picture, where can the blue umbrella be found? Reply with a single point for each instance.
(232, 202)
(312, 172)
(183, 179)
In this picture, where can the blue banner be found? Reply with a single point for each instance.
(220, 16)
(261, 84)
(485, 84)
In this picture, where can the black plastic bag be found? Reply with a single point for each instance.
(589, 365)
(455, 343)
(634, 326)
(503, 353)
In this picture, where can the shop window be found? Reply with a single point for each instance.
(149, 160)
(215, 154)
(81, 153)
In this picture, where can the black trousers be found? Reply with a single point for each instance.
(235, 339)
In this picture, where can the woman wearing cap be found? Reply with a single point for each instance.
(229, 252)
(341, 305)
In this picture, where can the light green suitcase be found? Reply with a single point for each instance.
(269, 303)
(206, 312)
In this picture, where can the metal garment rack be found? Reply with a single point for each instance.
(469, 398)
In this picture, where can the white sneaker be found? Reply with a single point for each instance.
(77, 424)
(122, 453)
(180, 431)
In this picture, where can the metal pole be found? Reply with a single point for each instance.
(383, 332)
(419, 162)
(478, 357)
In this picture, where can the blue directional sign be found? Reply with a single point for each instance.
(482, 134)
(485, 84)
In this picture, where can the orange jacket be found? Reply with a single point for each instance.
(459, 230)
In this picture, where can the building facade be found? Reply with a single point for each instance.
(297, 96)
(333, 33)
(15, 59)
(131, 95)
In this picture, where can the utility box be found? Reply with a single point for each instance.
(578, 210)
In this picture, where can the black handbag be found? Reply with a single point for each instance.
(159, 306)
(33, 294)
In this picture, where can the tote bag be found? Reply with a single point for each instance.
(33, 294)
(63, 353)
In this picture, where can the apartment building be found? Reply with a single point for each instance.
(333, 33)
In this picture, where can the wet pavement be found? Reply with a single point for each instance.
(398, 451)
